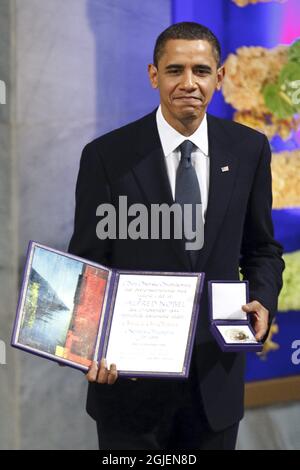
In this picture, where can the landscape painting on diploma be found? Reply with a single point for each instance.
(61, 307)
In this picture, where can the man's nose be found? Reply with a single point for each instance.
(188, 81)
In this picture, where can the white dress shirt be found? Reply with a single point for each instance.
(170, 141)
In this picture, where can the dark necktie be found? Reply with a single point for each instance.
(187, 190)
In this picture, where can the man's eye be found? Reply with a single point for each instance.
(174, 71)
(201, 72)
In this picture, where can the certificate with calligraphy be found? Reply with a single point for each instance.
(74, 311)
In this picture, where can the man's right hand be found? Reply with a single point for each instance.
(102, 375)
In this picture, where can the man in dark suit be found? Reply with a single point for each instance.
(232, 166)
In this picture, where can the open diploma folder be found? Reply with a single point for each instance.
(74, 311)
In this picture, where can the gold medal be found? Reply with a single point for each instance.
(238, 335)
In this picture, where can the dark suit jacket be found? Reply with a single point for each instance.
(238, 233)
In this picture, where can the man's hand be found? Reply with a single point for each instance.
(101, 374)
(260, 318)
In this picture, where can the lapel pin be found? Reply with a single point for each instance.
(224, 168)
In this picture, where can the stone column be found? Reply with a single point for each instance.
(9, 397)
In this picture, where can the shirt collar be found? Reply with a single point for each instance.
(171, 139)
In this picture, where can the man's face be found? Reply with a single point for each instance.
(187, 77)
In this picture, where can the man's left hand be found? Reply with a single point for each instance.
(260, 318)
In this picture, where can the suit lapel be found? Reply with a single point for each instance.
(221, 184)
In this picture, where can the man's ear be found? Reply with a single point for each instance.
(220, 77)
(152, 73)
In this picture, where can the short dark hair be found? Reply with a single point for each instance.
(190, 31)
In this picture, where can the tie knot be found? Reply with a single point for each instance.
(186, 150)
